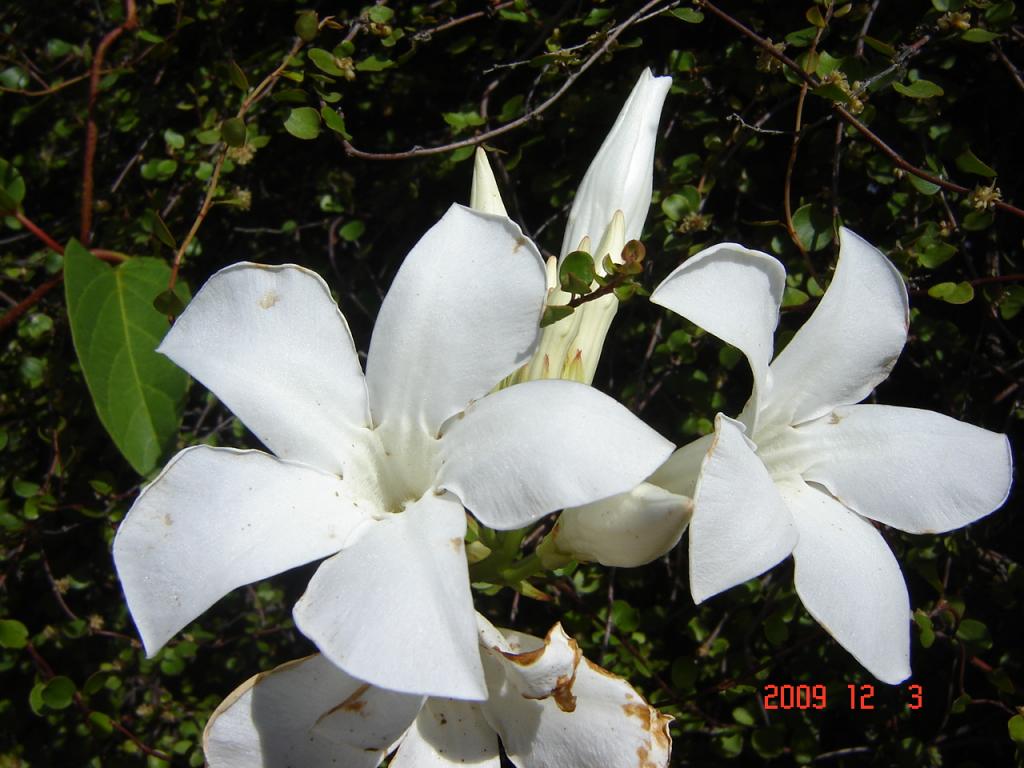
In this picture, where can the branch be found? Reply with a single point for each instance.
(33, 298)
(426, 34)
(91, 131)
(613, 35)
(843, 113)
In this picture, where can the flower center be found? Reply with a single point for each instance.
(392, 473)
(780, 448)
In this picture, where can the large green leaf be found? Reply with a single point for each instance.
(138, 393)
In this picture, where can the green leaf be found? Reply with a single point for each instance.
(101, 721)
(461, 120)
(954, 293)
(679, 204)
(689, 15)
(794, 297)
(802, 37)
(1012, 302)
(307, 26)
(35, 698)
(353, 230)
(325, 61)
(303, 123)
(921, 185)
(13, 634)
(233, 131)
(1015, 725)
(576, 272)
(173, 139)
(978, 35)
(380, 14)
(59, 692)
(554, 313)
(975, 221)
(813, 226)
(237, 76)
(881, 46)
(919, 89)
(936, 254)
(974, 633)
(924, 624)
(374, 63)
(969, 162)
(12, 187)
(163, 234)
(814, 16)
(14, 77)
(211, 136)
(168, 303)
(138, 394)
(334, 121)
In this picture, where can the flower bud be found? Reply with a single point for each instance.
(484, 195)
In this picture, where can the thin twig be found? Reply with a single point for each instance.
(787, 186)
(613, 35)
(50, 89)
(858, 49)
(91, 131)
(1014, 72)
(426, 34)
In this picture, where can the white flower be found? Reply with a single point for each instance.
(804, 470)
(549, 706)
(372, 472)
(610, 208)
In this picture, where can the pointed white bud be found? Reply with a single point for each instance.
(484, 195)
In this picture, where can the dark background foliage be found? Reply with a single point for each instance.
(939, 84)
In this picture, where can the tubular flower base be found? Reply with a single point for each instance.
(547, 705)
(805, 471)
(609, 209)
(373, 471)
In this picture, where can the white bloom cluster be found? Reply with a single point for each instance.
(374, 474)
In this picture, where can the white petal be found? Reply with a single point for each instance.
(448, 733)
(462, 313)
(850, 582)
(733, 293)
(611, 725)
(271, 721)
(272, 345)
(740, 526)
(850, 343)
(484, 195)
(626, 530)
(620, 176)
(543, 445)
(915, 470)
(545, 670)
(216, 519)
(394, 608)
(679, 474)
(369, 718)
